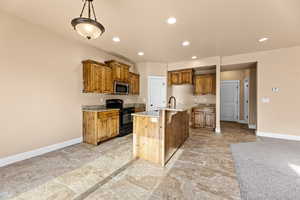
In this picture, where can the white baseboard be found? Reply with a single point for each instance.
(278, 136)
(242, 121)
(29, 154)
(252, 126)
(218, 130)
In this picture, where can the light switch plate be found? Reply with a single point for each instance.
(275, 89)
(265, 100)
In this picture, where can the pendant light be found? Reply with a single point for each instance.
(86, 26)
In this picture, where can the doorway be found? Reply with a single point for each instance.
(246, 74)
(157, 92)
(230, 100)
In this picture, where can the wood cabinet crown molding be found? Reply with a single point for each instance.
(93, 62)
(114, 62)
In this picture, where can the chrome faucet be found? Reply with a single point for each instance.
(170, 101)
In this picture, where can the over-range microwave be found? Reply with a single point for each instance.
(121, 88)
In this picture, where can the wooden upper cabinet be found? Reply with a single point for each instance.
(134, 83)
(175, 78)
(199, 85)
(205, 84)
(97, 77)
(107, 83)
(180, 77)
(120, 71)
(93, 76)
(187, 77)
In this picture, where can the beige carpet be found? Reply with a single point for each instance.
(268, 170)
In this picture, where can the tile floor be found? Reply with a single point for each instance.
(201, 169)
(71, 170)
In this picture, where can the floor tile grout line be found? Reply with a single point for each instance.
(104, 181)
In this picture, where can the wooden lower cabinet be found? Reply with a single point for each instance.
(204, 117)
(199, 119)
(156, 139)
(100, 126)
(210, 120)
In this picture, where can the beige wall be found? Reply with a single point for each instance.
(193, 64)
(41, 84)
(276, 68)
(146, 69)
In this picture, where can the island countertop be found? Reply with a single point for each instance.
(147, 114)
(155, 113)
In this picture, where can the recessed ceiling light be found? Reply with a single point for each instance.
(263, 39)
(141, 53)
(116, 39)
(171, 20)
(194, 57)
(185, 43)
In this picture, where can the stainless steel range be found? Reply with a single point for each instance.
(126, 120)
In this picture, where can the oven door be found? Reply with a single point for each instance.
(126, 117)
(121, 88)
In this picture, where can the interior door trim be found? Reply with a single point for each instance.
(238, 94)
(149, 85)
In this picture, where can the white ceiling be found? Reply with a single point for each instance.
(214, 27)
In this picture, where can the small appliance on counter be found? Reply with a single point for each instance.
(126, 120)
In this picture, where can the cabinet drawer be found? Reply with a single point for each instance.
(107, 114)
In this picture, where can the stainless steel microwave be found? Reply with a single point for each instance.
(121, 88)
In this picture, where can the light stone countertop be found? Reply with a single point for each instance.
(102, 108)
(179, 108)
(99, 109)
(147, 114)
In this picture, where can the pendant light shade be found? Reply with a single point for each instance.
(86, 26)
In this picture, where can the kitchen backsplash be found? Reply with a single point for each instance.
(128, 99)
(206, 99)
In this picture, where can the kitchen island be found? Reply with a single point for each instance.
(157, 135)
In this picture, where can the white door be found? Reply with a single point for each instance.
(230, 100)
(157, 92)
(246, 100)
